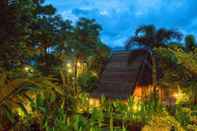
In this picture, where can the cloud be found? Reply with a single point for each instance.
(104, 13)
(67, 14)
(119, 18)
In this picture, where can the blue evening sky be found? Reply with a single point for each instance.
(120, 18)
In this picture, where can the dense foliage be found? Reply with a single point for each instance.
(46, 60)
(174, 72)
(49, 65)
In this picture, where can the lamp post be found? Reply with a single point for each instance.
(69, 71)
(28, 70)
(72, 70)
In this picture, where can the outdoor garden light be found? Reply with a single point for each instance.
(69, 65)
(20, 113)
(78, 64)
(94, 73)
(136, 107)
(26, 68)
(70, 70)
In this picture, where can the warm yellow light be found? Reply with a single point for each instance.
(80, 110)
(27, 68)
(180, 96)
(97, 104)
(78, 64)
(94, 102)
(21, 113)
(94, 73)
(136, 107)
(69, 65)
(176, 95)
(91, 102)
(70, 70)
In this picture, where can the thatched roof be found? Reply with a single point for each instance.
(122, 73)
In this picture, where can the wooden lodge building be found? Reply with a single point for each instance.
(127, 73)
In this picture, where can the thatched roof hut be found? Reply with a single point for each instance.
(125, 71)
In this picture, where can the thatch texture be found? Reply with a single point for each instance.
(123, 72)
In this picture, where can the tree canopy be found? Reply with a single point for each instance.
(150, 36)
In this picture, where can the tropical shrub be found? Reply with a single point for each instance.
(87, 81)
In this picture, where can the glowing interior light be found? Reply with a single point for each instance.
(97, 104)
(91, 102)
(94, 102)
(176, 95)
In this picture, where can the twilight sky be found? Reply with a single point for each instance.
(120, 18)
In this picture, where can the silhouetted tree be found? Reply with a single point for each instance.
(150, 36)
